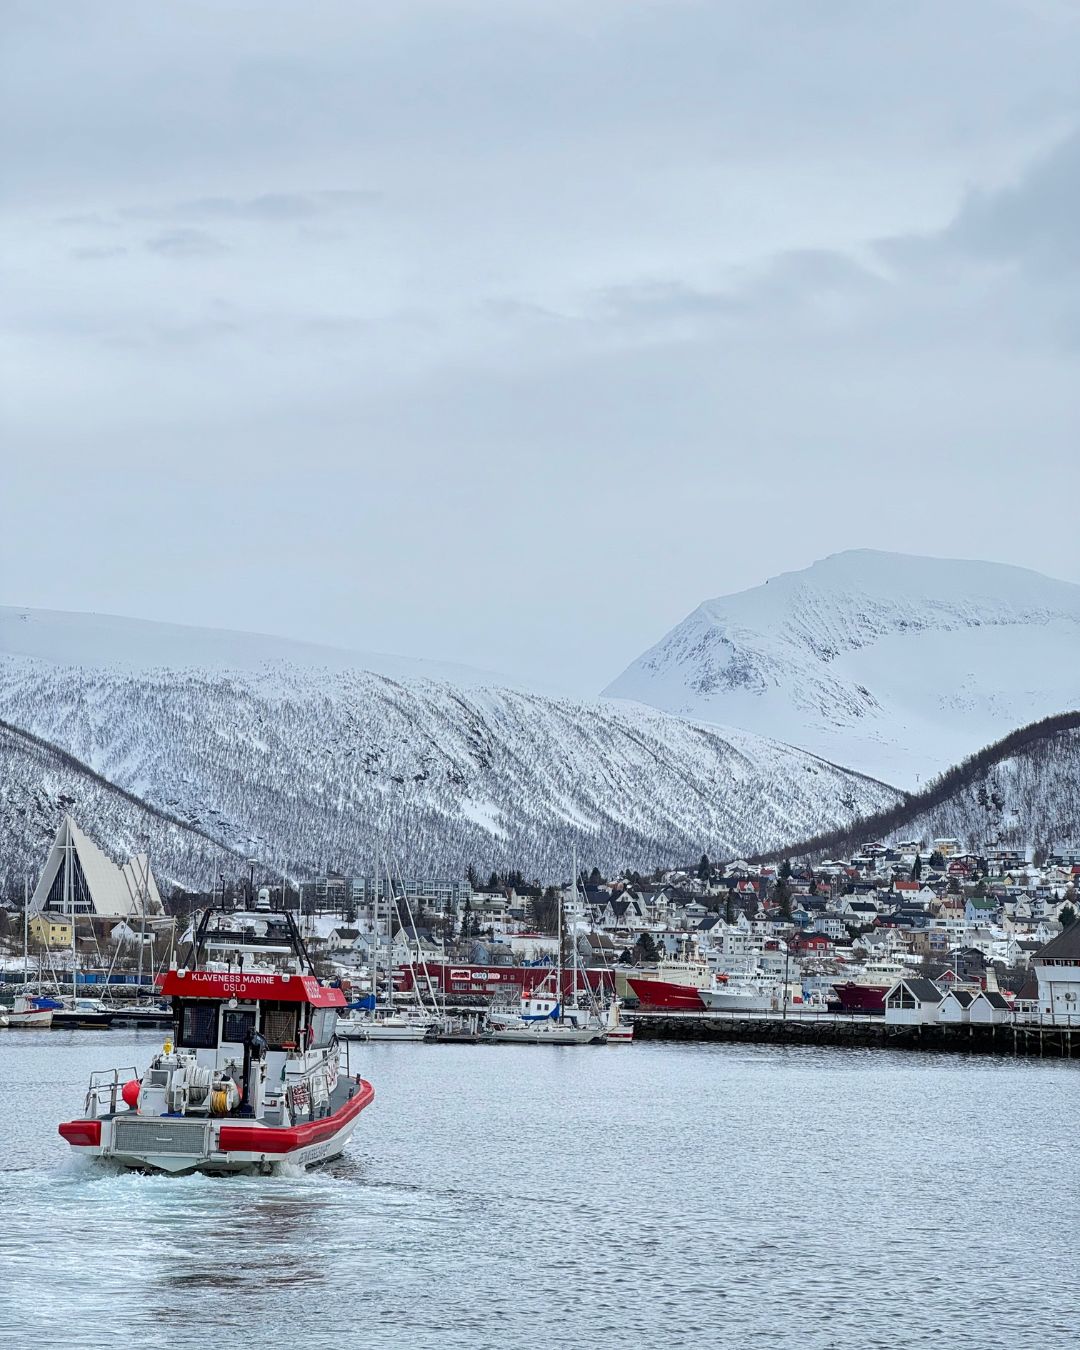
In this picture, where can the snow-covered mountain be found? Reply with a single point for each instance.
(894, 665)
(1023, 791)
(310, 760)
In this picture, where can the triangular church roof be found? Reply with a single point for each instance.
(112, 891)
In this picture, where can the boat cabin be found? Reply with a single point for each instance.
(258, 1030)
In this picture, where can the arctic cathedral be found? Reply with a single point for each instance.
(79, 879)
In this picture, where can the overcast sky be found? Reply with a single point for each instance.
(506, 332)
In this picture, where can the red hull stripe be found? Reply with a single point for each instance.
(259, 1139)
(81, 1133)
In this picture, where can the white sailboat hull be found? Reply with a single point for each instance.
(549, 1033)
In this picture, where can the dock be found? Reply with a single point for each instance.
(1028, 1040)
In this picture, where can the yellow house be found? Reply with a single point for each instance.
(52, 929)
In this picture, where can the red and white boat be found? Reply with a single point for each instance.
(252, 1074)
(674, 987)
(865, 992)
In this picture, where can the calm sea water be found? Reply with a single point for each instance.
(513, 1196)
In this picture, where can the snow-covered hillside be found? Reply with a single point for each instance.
(38, 786)
(1023, 791)
(319, 764)
(1031, 797)
(894, 665)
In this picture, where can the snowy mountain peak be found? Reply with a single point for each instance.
(891, 664)
(109, 642)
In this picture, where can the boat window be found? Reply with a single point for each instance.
(323, 1025)
(237, 1024)
(198, 1026)
(279, 1027)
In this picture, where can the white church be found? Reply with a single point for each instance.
(79, 879)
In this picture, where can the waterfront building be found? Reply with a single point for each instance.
(1057, 969)
(911, 1001)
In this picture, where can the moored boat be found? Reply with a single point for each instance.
(29, 1011)
(251, 1075)
(742, 995)
(865, 992)
(674, 987)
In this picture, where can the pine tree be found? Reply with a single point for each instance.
(916, 868)
(646, 948)
(704, 869)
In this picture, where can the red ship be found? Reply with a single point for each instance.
(674, 988)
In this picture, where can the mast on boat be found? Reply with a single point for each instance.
(71, 899)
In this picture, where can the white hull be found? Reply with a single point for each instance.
(381, 1031)
(548, 1033)
(730, 1000)
(30, 1019)
(217, 1163)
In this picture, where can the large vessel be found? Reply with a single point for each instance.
(865, 992)
(743, 993)
(251, 1075)
(674, 988)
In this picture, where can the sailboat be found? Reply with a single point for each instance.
(28, 1011)
(547, 1021)
(387, 1022)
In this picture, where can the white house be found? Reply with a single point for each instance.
(954, 1007)
(1057, 969)
(912, 1001)
(989, 1007)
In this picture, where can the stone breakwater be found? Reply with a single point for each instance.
(1019, 1039)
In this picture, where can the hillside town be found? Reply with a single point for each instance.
(803, 936)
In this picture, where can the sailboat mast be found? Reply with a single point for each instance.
(573, 927)
(558, 960)
(71, 899)
(26, 933)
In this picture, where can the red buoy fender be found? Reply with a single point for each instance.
(130, 1093)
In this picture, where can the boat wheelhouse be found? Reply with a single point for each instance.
(252, 1073)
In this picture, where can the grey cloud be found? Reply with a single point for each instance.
(1035, 223)
(267, 207)
(185, 243)
(98, 253)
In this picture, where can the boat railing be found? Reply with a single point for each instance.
(103, 1094)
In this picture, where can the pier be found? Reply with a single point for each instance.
(1021, 1039)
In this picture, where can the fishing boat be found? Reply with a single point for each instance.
(674, 987)
(30, 1011)
(252, 1074)
(865, 993)
(745, 993)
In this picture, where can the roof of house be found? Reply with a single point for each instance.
(962, 996)
(996, 999)
(926, 991)
(1064, 947)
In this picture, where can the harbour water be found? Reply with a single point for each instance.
(504, 1196)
